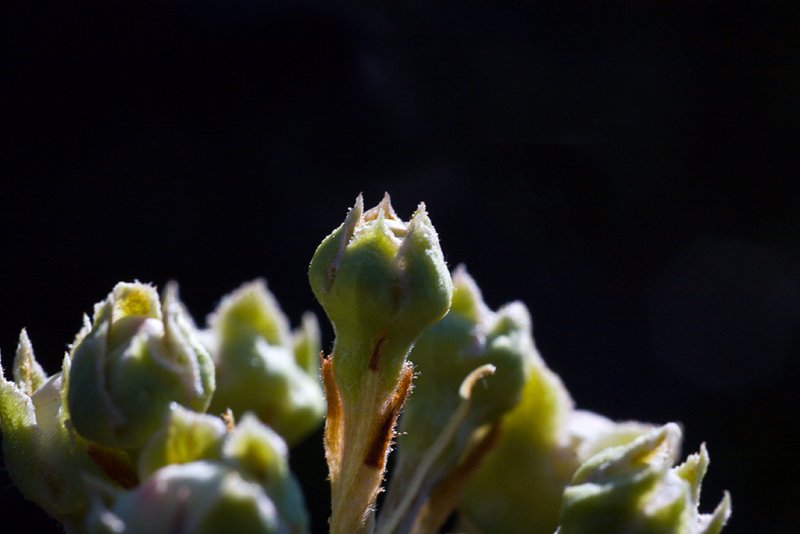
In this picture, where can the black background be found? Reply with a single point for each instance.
(628, 170)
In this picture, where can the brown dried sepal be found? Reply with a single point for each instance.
(333, 421)
(384, 435)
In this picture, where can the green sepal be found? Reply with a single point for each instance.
(28, 374)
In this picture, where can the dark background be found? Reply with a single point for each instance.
(627, 170)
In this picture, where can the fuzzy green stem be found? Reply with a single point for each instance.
(359, 430)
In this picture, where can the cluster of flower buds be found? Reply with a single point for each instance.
(153, 425)
(489, 431)
(119, 440)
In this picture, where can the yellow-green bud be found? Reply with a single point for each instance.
(634, 488)
(381, 282)
(137, 357)
(262, 367)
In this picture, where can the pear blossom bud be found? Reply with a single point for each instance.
(262, 456)
(201, 497)
(199, 476)
(381, 282)
(635, 488)
(263, 367)
(249, 447)
(137, 357)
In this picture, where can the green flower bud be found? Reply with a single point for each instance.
(45, 458)
(136, 358)
(199, 497)
(634, 488)
(469, 336)
(381, 282)
(227, 477)
(260, 454)
(263, 368)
